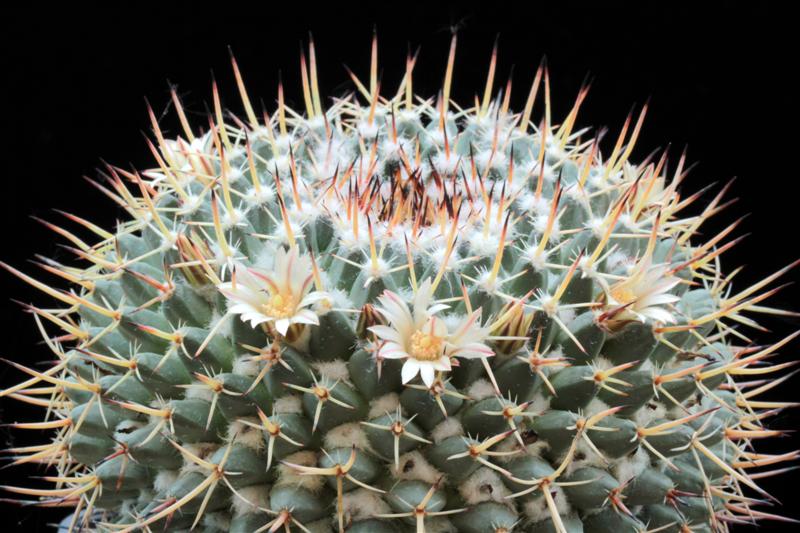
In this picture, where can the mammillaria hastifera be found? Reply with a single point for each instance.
(390, 313)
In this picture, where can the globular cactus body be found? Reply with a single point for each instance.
(397, 314)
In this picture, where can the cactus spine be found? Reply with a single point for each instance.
(388, 313)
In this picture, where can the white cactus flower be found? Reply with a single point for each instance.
(281, 296)
(423, 339)
(645, 293)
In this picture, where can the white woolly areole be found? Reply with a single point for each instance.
(251, 498)
(588, 457)
(203, 450)
(414, 466)
(483, 486)
(593, 407)
(629, 467)
(339, 298)
(226, 329)
(368, 129)
(541, 403)
(361, 504)
(616, 259)
(198, 391)
(453, 321)
(566, 315)
(289, 404)
(536, 508)
(490, 158)
(646, 365)
(446, 163)
(506, 447)
(536, 449)
(480, 390)
(245, 366)
(333, 370)
(649, 413)
(601, 363)
(245, 435)
(164, 480)
(480, 245)
(540, 224)
(265, 258)
(345, 436)
(287, 475)
(541, 206)
(255, 199)
(383, 404)
(219, 521)
(672, 411)
(230, 220)
(449, 427)
(408, 115)
(596, 225)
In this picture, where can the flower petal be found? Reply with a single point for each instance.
(282, 325)
(410, 369)
(428, 373)
(313, 297)
(304, 316)
(386, 333)
(392, 350)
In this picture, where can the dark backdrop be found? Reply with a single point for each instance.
(720, 81)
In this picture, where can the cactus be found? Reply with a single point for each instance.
(389, 313)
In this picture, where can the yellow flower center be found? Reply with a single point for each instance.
(426, 347)
(624, 295)
(280, 305)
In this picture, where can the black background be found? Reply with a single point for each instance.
(720, 79)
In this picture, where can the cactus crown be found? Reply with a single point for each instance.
(392, 313)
